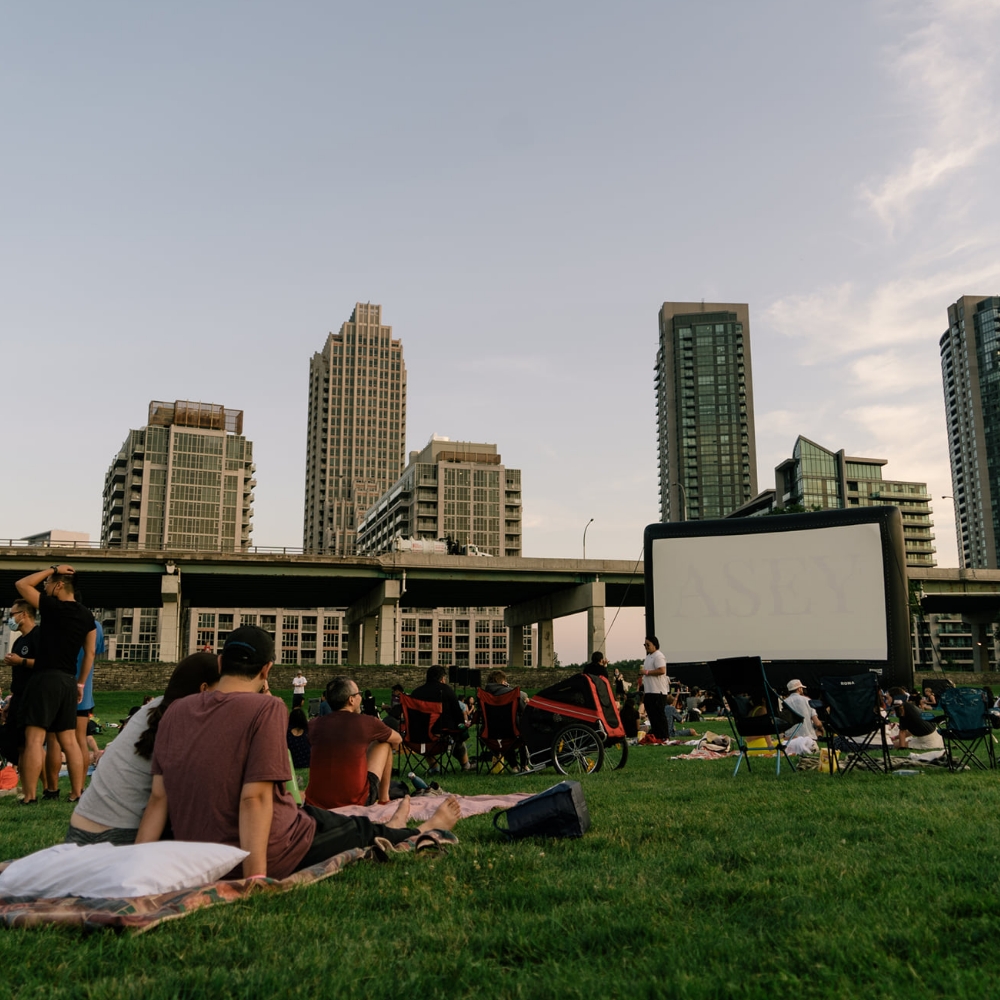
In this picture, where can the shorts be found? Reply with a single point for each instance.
(336, 834)
(932, 741)
(50, 701)
(118, 836)
(373, 781)
(83, 713)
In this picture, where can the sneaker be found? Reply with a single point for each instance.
(434, 772)
(27, 802)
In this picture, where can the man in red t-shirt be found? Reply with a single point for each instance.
(350, 761)
(220, 764)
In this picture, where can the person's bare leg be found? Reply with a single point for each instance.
(34, 755)
(74, 762)
(401, 815)
(81, 740)
(380, 763)
(53, 763)
(445, 816)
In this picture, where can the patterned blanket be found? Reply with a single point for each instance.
(143, 913)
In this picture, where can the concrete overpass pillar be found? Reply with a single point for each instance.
(595, 629)
(982, 639)
(368, 627)
(170, 616)
(354, 643)
(546, 646)
(365, 616)
(385, 642)
(515, 646)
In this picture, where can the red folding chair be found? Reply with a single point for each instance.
(498, 736)
(423, 747)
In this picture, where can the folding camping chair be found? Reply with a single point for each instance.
(854, 724)
(752, 706)
(422, 743)
(498, 736)
(967, 724)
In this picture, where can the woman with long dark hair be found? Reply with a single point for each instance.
(112, 805)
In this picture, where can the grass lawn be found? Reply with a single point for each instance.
(690, 884)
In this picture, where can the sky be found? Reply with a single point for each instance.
(193, 195)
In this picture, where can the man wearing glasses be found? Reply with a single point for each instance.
(350, 753)
(20, 659)
(52, 692)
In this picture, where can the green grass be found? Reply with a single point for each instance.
(690, 884)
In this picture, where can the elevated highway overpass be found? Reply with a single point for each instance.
(532, 591)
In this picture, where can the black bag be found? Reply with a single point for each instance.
(559, 811)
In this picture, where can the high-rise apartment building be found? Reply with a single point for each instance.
(704, 410)
(184, 481)
(970, 370)
(452, 489)
(356, 435)
(818, 478)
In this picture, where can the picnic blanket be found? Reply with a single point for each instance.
(143, 913)
(422, 806)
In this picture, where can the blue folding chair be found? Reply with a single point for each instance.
(752, 706)
(966, 725)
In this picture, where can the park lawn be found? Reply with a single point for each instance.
(690, 884)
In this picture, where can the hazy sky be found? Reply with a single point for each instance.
(193, 195)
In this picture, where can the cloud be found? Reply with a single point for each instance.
(848, 319)
(945, 69)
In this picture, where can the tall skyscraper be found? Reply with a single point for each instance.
(356, 435)
(970, 369)
(704, 410)
(184, 481)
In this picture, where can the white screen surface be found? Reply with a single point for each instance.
(811, 594)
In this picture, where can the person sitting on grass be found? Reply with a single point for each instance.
(113, 802)
(220, 765)
(351, 753)
(915, 733)
(674, 715)
(297, 738)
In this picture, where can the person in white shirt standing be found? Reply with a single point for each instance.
(656, 687)
(298, 690)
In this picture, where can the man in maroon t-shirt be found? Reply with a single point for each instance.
(350, 762)
(220, 764)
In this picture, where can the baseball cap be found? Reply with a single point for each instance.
(794, 685)
(250, 645)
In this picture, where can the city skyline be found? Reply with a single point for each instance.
(189, 213)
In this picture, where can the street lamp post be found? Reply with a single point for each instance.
(588, 524)
(684, 500)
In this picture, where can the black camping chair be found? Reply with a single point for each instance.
(752, 706)
(854, 724)
(966, 724)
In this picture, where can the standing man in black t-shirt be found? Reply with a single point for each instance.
(52, 692)
(20, 659)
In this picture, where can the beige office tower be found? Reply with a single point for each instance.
(457, 490)
(356, 435)
(184, 481)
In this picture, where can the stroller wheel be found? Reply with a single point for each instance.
(615, 754)
(577, 749)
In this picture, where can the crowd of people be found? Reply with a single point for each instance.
(208, 761)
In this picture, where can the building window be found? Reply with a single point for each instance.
(482, 659)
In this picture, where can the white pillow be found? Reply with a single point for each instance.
(107, 871)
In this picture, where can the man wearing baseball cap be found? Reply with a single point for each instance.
(799, 704)
(219, 770)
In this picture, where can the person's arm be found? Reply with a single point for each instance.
(27, 586)
(393, 739)
(656, 671)
(154, 819)
(89, 652)
(256, 811)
